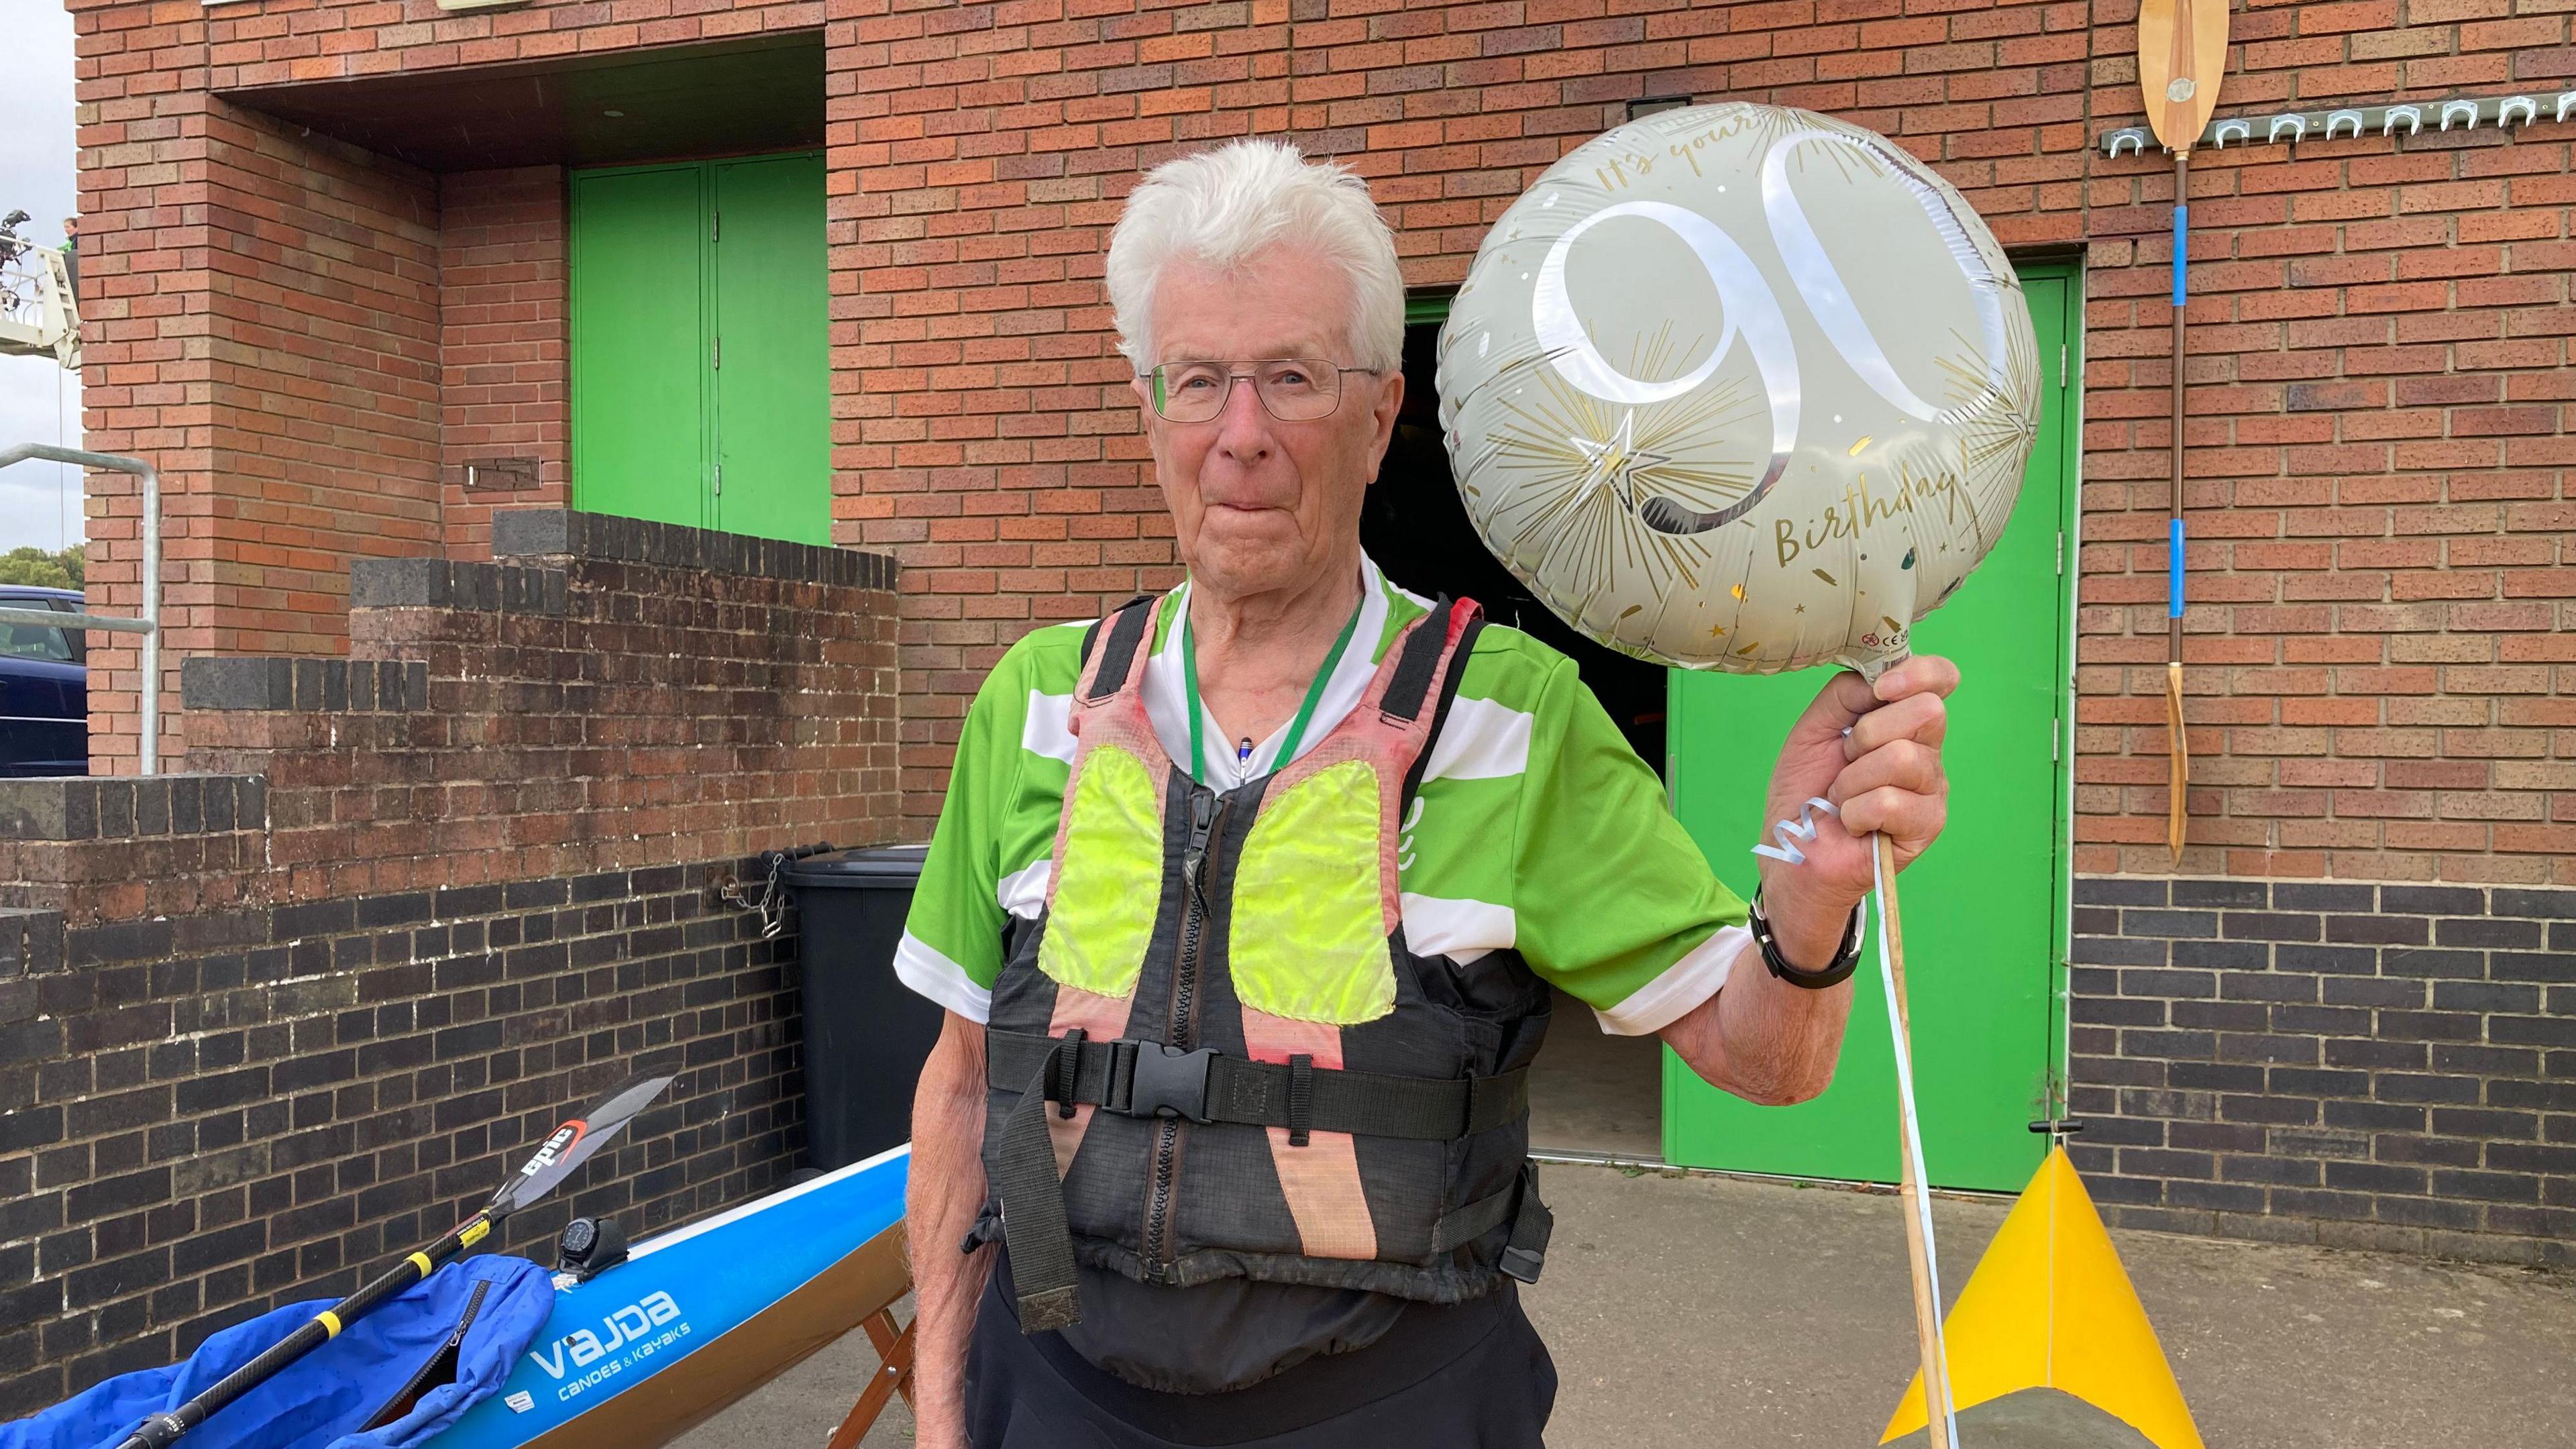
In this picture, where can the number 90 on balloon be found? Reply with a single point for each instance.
(1740, 387)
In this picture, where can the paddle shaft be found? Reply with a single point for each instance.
(1910, 1186)
(161, 1430)
(2178, 761)
(2174, 526)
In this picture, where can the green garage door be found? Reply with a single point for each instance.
(1983, 911)
(701, 375)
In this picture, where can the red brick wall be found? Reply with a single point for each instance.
(2380, 433)
(2383, 592)
(503, 343)
(986, 430)
(2380, 444)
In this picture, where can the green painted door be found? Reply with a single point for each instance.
(700, 364)
(638, 374)
(1983, 911)
(773, 367)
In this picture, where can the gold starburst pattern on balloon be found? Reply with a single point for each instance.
(1994, 435)
(1617, 460)
(1569, 469)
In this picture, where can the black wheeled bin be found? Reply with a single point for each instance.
(866, 1033)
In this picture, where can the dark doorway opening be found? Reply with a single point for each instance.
(1592, 1095)
(1416, 528)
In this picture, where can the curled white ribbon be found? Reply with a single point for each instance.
(1793, 833)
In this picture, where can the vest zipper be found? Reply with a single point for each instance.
(1206, 809)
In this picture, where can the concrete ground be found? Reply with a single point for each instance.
(1714, 1313)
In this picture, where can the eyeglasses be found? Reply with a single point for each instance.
(1292, 389)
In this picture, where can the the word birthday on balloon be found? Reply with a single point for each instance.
(1860, 508)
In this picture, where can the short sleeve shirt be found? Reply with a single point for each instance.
(1536, 827)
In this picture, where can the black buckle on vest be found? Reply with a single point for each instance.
(1066, 1073)
(1532, 1225)
(1169, 1082)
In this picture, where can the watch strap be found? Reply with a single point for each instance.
(1846, 957)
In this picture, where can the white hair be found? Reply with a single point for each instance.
(1219, 207)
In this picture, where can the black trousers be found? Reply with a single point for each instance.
(1474, 1376)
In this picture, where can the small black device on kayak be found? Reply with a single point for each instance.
(590, 1247)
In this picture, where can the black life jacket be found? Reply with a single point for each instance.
(1213, 1055)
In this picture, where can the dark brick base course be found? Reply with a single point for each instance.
(2382, 1066)
(194, 1138)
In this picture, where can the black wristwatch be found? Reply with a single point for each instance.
(1846, 959)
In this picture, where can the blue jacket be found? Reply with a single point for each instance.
(491, 1306)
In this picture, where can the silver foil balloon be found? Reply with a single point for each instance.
(1740, 387)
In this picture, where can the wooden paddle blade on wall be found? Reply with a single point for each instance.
(2182, 53)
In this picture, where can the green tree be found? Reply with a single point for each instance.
(34, 567)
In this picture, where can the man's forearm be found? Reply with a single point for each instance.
(1762, 1038)
(945, 1190)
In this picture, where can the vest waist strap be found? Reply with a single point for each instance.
(1150, 1079)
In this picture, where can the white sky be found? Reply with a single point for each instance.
(40, 503)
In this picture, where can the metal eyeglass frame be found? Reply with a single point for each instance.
(1155, 379)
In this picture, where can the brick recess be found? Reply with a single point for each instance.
(2378, 1066)
(504, 382)
(265, 315)
(264, 1023)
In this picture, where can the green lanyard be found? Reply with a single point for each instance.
(1305, 712)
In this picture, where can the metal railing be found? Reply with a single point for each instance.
(149, 626)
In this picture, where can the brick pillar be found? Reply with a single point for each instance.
(149, 364)
(265, 332)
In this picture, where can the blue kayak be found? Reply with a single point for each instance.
(697, 1317)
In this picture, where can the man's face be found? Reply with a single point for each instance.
(1260, 504)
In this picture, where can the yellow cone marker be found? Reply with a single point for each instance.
(2050, 1307)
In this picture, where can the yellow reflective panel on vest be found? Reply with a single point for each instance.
(1308, 941)
(1109, 876)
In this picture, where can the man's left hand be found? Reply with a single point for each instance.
(1875, 752)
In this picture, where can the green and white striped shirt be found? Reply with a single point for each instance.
(1536, 826)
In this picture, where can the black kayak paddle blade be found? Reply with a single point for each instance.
(571, 1144)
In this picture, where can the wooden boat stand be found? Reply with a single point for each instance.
(893, 1376)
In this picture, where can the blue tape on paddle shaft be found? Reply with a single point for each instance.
(2182, 248)
(2173, 568)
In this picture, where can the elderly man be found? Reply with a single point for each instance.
(1246, 899)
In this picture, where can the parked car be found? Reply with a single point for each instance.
(44, 688)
